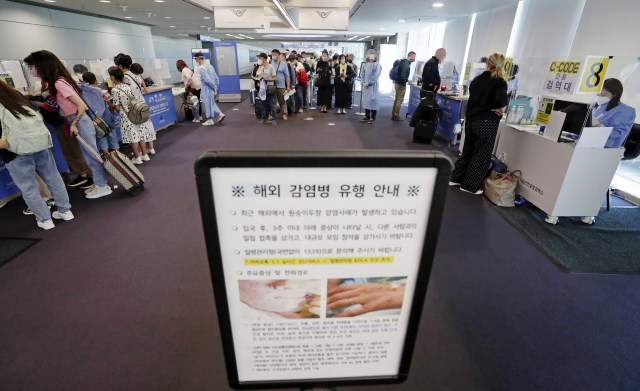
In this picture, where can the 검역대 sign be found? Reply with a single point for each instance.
(562, 77)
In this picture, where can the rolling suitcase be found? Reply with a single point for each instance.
(253, 96)
(424, 131)
(121, 168)
(427, 120)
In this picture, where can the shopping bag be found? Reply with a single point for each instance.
(501, 188)
(263, 90)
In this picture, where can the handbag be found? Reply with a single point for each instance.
(102, 129)
(501, 188)
(272, 89)
(497, 163)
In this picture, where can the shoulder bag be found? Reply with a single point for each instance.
(102, 129)
(272, 89)
(138, 111)
(25, 135)
(501, 188)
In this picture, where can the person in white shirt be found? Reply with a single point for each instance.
(192, 86)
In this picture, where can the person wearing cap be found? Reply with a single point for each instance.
(209, 80)
(266, 72)
(370, 89)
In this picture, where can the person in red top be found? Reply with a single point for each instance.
(66, 92)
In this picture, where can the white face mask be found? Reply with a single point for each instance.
(372, 57)
(260, 62)
(324, 58)
(342, 61)
(603, 100)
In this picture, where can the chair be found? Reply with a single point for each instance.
(631, 152)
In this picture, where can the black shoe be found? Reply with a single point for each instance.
(365, 119)
(372, 121)
(88, 184)
(78, 181)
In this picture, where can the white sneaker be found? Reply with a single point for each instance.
(221, 117)
(479, 192)
(66, 216)
(208, 122)
(145, 158)
(151, 151)
(195, 120)
(99, 192)
(136, 160)
(89, 189)
(454, 184)
(46, 225)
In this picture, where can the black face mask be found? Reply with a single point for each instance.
(351, 61)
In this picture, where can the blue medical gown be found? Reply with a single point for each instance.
(370, 74)
(210, 82)
(620, 118)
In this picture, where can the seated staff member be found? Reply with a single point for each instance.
(191, 85)
(487, 98)
(613, 113)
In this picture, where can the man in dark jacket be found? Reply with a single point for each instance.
(404, 69)
(431, 74)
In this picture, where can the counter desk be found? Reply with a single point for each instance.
(452, 110)
(163, 106)
(558, 178)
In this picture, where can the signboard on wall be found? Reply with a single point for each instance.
(207, 38)
(161, 108)
(593, 74)
(324, 18)
(508, 66)
(562, 77)
(239, 17)
(296, 240)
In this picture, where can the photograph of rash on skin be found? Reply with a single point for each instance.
(380, 296)
(280, 299)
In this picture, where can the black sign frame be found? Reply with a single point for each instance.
(315, 159)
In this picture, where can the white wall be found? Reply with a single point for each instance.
(491, 32)
(71, 37)
(173, 50)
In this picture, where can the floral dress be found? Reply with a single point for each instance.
(135, 82)
(130, 133)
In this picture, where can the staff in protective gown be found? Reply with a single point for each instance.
(370, 88)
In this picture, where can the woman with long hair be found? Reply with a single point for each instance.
(487, 99)
(613, 113)
(343, 74)
(21, 124)
(64, 90)
(324, 82)
(191, 85)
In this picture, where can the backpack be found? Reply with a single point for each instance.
(138, 111)
(25, 135)
(393, 73)
(302, 77)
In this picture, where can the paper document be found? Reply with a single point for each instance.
(289, 94)
(554, 129)
(166, 73)
(595, 137)
(16, 72)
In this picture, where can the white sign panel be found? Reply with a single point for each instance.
(562, 77)
(239, 17)
(320, 267)
(324, 18)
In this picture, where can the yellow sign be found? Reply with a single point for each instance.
(569, 67)
(316, 261)
(109, 82)
(9, 81)
(467, 71)
(545, 110)
(508, 67)
(593, 74)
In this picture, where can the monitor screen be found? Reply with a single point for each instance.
(578, 115)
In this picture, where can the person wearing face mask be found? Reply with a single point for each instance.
(354, 73)
(210, 81)
(404, 69)
(343, 73)
(613, 113)
(266, 72)
(431, 74)
(78, 70)
(370, 89)
(301, 86)
(293, 81)
(324, 82)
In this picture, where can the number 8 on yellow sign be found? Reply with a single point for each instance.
(593, 74)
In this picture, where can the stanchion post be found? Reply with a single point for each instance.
(361, 91)
(309, 96)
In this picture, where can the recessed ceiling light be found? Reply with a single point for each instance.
(402, 21)
(102, 1)
(202, 27)
(128, 17)
(206, 17)
(438, 5)
(49, 1)
(229, 35)
(381, 28)
(158, 1)
(167, 17)
(172, 26)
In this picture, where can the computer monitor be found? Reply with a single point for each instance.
(578, 115)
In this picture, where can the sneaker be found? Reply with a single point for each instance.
(46, 224)
(284, 117)
(145, 158)
(274, 122)
(195, 120)
(89, 189)
(372, 121)
(262, 122)
(66, 216)
(27, 212)
(221, 117)
(88, 184)
(151, 151)
(300, 110)
(270, 118)
(479, 192)
(50, 202)
(454, 184)
(397, 119)
(98, 192)
(80, 180)
(136, 160)
(208, 122)
(365, 119)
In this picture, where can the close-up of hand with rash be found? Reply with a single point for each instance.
(370, 297)
(288, 298)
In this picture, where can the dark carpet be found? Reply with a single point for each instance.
(120, 298)
(610, 245)
(12, 247)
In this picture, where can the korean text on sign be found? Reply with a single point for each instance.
(324, 190)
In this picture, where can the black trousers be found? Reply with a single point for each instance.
(371, 114)
(342, 95)
(472, 167)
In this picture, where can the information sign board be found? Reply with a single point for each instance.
(562, 77)
(508, 66)
(593, 74)
(320, 261)
(545, 109)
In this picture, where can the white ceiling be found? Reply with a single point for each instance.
(367, 17)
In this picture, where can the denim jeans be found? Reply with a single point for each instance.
(271, 102)
(301, 95)
(87, 131)
(195, 110)
(23, 171)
